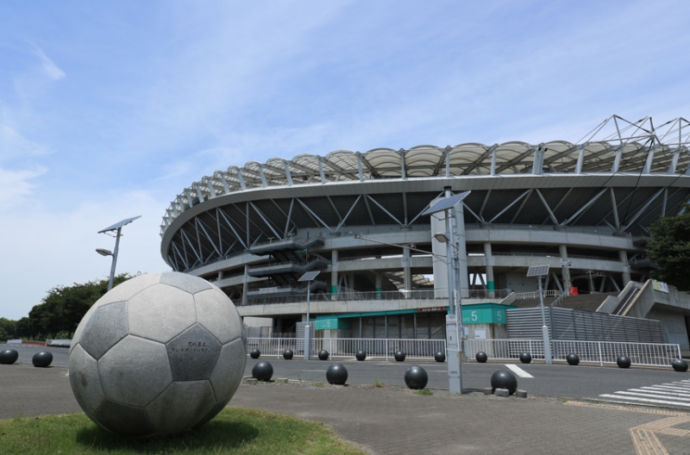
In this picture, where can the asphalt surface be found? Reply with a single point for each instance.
(394, 420)
(27, 351)
(557, 380)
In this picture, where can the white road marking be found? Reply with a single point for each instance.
(652, 395)
(620, 399)
(517, 370)
(673, 386)
(662, 391)
(675, 393)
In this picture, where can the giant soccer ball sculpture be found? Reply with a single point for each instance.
(158, 354)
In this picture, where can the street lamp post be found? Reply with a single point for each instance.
(540, 271)
(454, 328)
(103, 252)
(308, 277)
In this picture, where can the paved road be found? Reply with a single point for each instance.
(558, 381)
(397, 421)
(27, 351)
(394, 420)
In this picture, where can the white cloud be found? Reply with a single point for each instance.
(16, 185)
(13, 144)
(48, 66)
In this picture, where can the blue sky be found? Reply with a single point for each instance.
(109, 109)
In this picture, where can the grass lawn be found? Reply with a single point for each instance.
(233, 431)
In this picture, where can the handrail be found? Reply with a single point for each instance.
(415, 294)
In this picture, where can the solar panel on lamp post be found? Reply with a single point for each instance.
(308, 277)
(454, 316)
(103, 252)
(539, 271)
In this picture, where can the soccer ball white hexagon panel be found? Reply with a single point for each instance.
(160, 312)
(213, 311)
(157, 354)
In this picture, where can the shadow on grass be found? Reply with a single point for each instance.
(213, 436)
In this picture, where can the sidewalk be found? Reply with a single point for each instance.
(394, 420)
(400, 421)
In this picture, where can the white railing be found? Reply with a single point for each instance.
(402, 294)
(597, 352)
(534, 295)
(383, 348)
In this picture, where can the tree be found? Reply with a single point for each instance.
(62, 309)
(7, 328)
(669, 248)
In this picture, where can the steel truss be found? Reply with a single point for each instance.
(615, 148)
(232, 228)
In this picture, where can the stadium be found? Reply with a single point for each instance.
(583, 209)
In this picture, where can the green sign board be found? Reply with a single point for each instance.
(330, 323)
(483, 314)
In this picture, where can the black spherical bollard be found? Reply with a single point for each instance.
(336, 374)
(481, 357)
(42, 359)
(262, 371)
(323, 354)
(360, 355)
(416, 377)
(572, 359)
(255, 354)
(680, 365)
(440, 356)
(623, 361)
(503, 379)
(287, 354)
(525, 357)
(8, 356)
(399, 356)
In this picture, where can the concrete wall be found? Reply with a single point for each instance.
(518, 282)
(258, 327)
(673, 325)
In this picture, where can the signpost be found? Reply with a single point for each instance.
(308, 277)
(540, 271)
(454, 329)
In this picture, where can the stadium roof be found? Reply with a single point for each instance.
(632, 148)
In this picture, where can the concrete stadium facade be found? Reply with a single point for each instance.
(584, 209)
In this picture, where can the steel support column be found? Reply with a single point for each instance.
(626, 266)
(407, 273)
(489, 260)
(334, 274)
(565, 268)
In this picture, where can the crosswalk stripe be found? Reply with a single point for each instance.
(676, 393)
(680, 385)
(651, 395)
(517, 370)
(643, 400)
(670, 387)
(660, 392)
(665, 390)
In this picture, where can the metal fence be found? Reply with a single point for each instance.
(347, 295)
(383, 348)
(597, 352)
(573, 324)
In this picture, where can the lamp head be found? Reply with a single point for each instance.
(441, 237)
